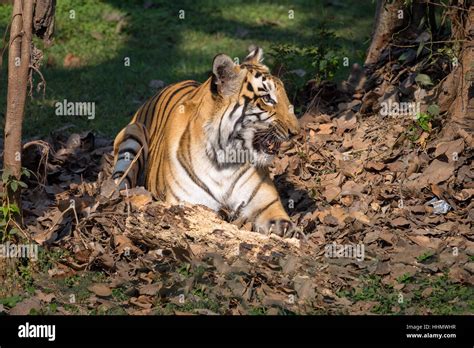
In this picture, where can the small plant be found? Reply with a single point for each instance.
(185, 270)
(422, 122)
(425, 256)
(8, 210)
(119, 294)
(258, 311)
(404, 278)
(11, 301)
(296, 64)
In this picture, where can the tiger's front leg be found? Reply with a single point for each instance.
(263, 206)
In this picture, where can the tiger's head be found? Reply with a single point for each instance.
(253, 113)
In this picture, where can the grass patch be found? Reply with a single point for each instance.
(443, 296)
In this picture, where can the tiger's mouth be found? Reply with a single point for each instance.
(266, 143)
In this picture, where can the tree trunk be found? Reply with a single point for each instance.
(19, 56)
(460, 104)
(386, 22)
(463, 105)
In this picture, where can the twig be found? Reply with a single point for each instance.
(44, 158)
(27, 236)
(42, 80)
(130, 166)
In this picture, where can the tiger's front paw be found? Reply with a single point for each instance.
(282, 227)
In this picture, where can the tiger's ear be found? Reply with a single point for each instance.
(225, 74)
(255, 56)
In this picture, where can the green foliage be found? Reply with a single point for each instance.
(10, 301)
(425, 256)
(423, 80)
(8, 209)
(119, 294)
(257, 311)
(185, 270)
(295, 63)
(445, 297)
(422, 122)
(404, 278)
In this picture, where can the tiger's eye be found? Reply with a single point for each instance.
(267, 99)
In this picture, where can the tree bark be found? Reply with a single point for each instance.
(19, 56)
(456, 95)
(463, 106)
(386, 23)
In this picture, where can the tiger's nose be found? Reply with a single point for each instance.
(294, 130)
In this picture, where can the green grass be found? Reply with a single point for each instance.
(163, 47)
(446, 298)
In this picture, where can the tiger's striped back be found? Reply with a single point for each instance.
(132, 150)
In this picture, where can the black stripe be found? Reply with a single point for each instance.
(246, 102)
(144, 115)
(267, 118)
(133, 137)
(144, 131)
(238, 177)
(166, 117)
(219, 141)
(173, 194)
(155, 126)
(192, 175)
(160, 173)
(129, 150)
(260, 211)
(162, 116)
(155, 102)
(181, 87)
(122, 157)
(117, 174)
(255, 190)
(196, 90)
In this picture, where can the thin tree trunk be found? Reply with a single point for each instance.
(19, 56)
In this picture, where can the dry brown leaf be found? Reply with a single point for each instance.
(123, 244)
(400, 221)
(26, 306)
(150, 289)
(331, 193)
(47, 298)
(372, 165)
(438, 171)
(100, 289)
(138, 197)
(325, 128)
(452, 149)
(361, 217)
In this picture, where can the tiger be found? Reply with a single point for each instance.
(183, 144)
